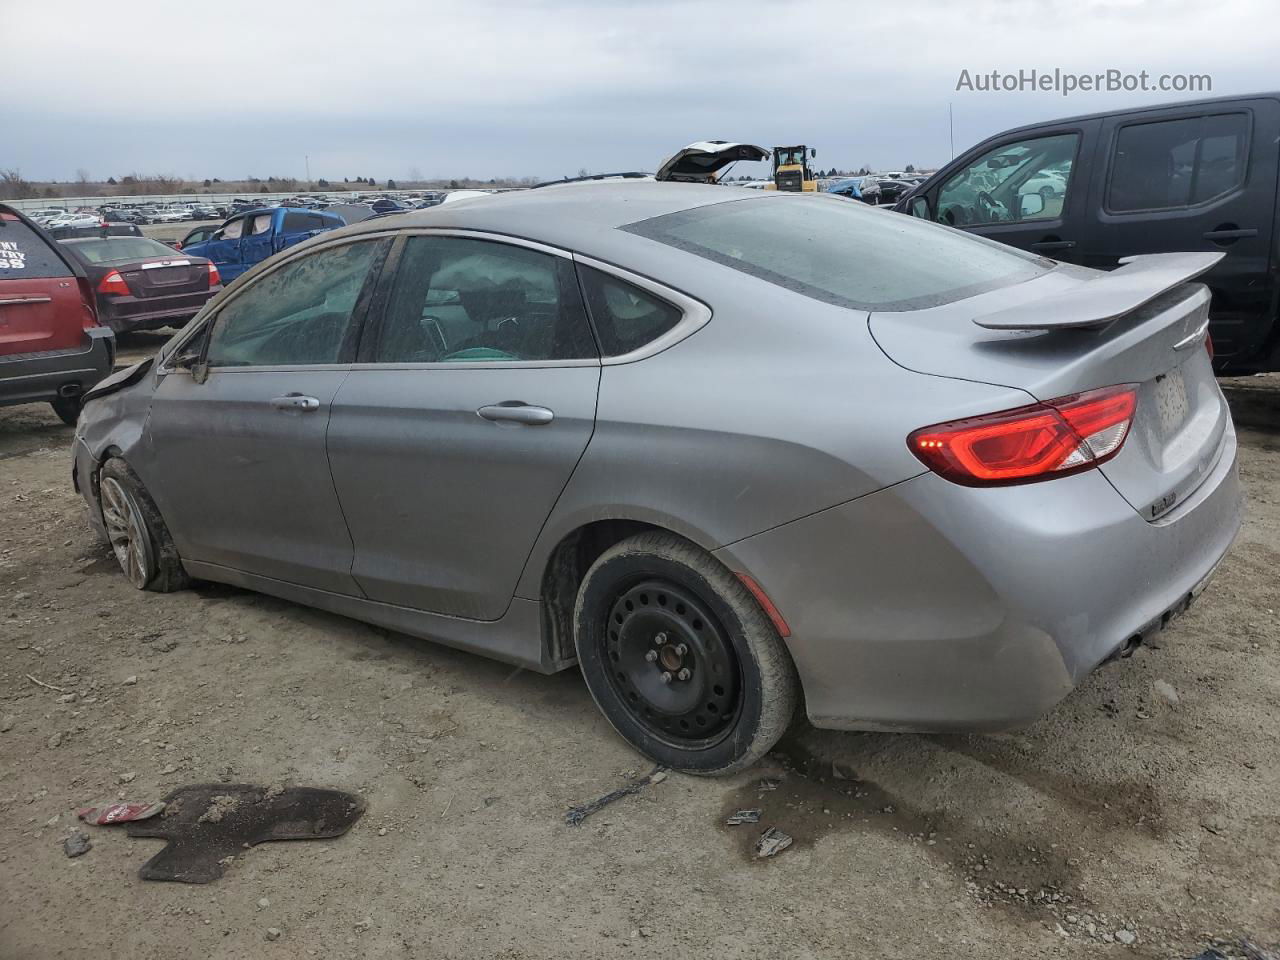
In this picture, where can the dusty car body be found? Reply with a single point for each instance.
(758, 472)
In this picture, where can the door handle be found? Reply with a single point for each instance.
(1053, 245)
(296, 401)
(1227, 232)
(517, 411)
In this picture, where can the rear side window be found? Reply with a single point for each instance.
(625, 316)
(301, 222)
(844, 253)
(1178, 163)
(261, 224)
(25, 254)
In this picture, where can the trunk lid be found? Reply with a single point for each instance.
(1074, 329)
(164, 276)
(41, 307)
(701, 162)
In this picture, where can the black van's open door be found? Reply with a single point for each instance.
(1194, 177)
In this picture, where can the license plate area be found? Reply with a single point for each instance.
(1172, 404)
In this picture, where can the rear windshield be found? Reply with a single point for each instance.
(116, 249)
(844, 252)
(26, 254)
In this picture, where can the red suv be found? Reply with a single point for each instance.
(52, 346)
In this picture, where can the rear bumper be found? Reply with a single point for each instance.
(34, 377)
(931, 606)
(124, 314)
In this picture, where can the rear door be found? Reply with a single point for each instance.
(40, 303)
(1200, 177)
(239, 459)
(1028, 190)
(451, 443)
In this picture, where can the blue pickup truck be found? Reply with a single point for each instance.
(250, 237)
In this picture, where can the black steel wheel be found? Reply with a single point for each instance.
(680, 658)
(674, 667)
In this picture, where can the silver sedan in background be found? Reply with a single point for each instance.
(734, 453)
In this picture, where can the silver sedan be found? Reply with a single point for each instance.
(734, 453)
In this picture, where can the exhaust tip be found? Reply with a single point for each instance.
(69, 390)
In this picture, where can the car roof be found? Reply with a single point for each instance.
(1080, 118)
(564, 215)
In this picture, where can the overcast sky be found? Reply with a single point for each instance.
(387, 88)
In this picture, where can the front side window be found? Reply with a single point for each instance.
(1177, 163)
(461, 300)
(843, 253)
(1013, 183)
(232, 231)
(300, 313)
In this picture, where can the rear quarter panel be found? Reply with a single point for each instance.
(779, 407)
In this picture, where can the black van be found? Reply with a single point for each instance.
(1198, 175)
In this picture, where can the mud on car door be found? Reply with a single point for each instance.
(238, 422)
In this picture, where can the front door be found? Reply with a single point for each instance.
(1025, 192)
(223, 248)
(452, 442)
(241, 471)
(259, 238)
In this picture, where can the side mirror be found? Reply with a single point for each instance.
(920, 207)
(1030, 205)
(813, 152)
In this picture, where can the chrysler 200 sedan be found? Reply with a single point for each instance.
(735, 454)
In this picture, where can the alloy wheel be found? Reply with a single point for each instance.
(127, 532)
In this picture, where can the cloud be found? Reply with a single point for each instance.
(491, 88)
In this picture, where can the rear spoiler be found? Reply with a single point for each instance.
(1136, 282)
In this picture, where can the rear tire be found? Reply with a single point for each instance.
(680, 658)
(67, 409)
(137, 533)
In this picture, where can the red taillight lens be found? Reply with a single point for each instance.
(1036, 442)
(113, 284)
(87, 303)
(215, 278)
(1208, 343)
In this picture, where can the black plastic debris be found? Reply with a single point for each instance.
(207, 823)
(576, 815)
(744, 816)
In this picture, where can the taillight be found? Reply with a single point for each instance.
(1208, 343)
(87, 303)
(1027, 444)
(113, 284)
(215, 278)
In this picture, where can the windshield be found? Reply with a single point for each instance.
(844, 253)
(117, 249)
(789, 155)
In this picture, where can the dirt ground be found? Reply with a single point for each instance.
(1141, 818)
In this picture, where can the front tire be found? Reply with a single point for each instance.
(137, 533)
(680, 658)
